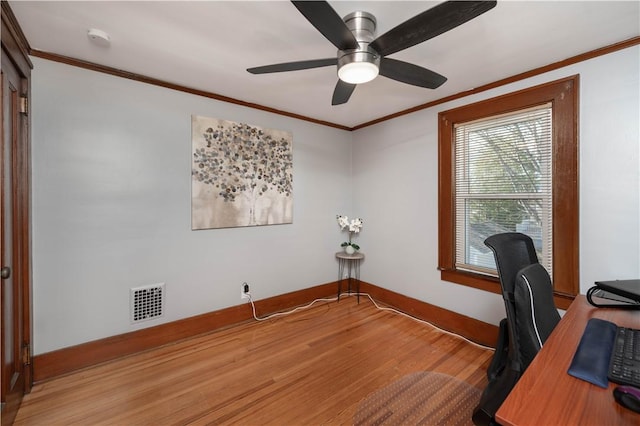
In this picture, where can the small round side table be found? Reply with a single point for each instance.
(352, 262)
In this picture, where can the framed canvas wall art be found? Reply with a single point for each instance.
(242, 175)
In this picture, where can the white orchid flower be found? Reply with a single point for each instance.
(355, 225)
(343, 221)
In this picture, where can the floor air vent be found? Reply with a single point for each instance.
(147, 302)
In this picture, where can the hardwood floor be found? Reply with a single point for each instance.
(311, 367)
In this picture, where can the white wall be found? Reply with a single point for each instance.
(111, 207)
(111, 201)
(396, 189)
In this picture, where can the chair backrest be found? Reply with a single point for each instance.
(536, 313)
(512, 251)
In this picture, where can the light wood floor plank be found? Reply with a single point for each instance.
(311, 367)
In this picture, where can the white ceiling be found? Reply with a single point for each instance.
(208, 45)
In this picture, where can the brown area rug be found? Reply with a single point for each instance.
(423, 398)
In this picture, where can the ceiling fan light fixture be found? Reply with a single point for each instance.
(358, 72)
(358, 66)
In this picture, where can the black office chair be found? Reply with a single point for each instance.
(527, 293)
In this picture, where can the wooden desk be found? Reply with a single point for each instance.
(547, 395)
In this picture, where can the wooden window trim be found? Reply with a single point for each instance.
(564, 96)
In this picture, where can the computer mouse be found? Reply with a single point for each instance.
(628, 397)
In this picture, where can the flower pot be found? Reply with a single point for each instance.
(349, 249)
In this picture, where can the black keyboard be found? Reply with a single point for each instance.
(624, 367)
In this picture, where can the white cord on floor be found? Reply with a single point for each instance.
(382, 308)
(280, 314)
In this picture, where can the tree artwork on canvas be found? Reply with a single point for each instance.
(242, 175)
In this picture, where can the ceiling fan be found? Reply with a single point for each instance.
(361, 56)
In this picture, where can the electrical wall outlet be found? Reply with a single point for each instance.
(244, 291)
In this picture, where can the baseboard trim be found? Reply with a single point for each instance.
(471, 328)
(66, 360)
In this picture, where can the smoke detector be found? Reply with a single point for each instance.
(99, 37)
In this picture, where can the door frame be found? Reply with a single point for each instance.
(16, 48)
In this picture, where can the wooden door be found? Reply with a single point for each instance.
(15, 212)
(13, 344)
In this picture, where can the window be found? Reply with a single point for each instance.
(510, 164)
(503, 184)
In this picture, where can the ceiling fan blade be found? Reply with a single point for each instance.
(294, 66)
(328, 22)
(410, 73)
(429, 24)
(342, 92)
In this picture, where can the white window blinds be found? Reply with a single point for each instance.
(503, 184)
